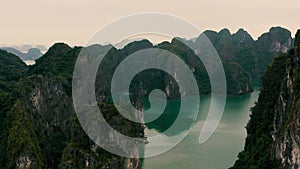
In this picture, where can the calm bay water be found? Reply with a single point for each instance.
(221, 150)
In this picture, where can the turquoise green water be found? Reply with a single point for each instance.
(221, 150)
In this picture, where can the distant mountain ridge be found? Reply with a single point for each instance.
(38, 124)
(40, 106)
(252, 55)
(31, 54)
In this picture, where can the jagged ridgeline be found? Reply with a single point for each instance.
(273, 130)
(39, 127)
(252, 55)
(32, 53)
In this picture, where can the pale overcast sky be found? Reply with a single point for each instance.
(74, 21)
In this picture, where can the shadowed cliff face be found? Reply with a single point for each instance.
(11, 69)
(273, 131)
(51, 134)
(286, 140)
(40, 128)
(252, 55)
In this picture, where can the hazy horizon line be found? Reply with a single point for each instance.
(20, 46)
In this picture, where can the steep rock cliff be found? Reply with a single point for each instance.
(273, 130)
(41, 128)
(252, 55)
(286, 138)
(45, 132)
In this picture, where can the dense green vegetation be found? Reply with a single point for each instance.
(238, 81)
(22, 143)
(273, 127)
(257, 149)
(253, 56)
(41, 130)
(11, 69)
(38, 122)
(44, 114)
